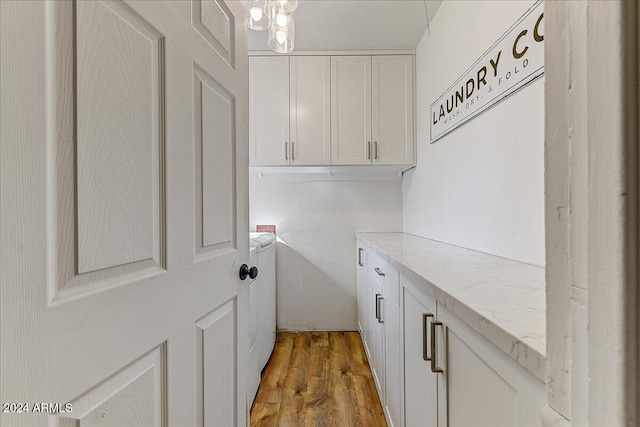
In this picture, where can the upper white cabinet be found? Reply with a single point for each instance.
(269, 110)
(351, 110)
(392, 129)
(310, 114)
(372, 110)
(332, 110)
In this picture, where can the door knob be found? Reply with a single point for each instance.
(245, 272)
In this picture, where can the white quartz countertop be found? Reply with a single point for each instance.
(501, 299)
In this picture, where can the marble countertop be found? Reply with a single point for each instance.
(503, 300)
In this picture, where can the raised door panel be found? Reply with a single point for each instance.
(214, 135)
(421, 392)
(216, 367)
(213, 20)
(310, 127)
(392, 109)
(118, 145)
(350, 110)
(134, 397)
(268, 111)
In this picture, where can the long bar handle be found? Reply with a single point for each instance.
(368, 149)
(360, 263)
(376, 145)
(425, 326)
(380, 272)
(380, 319)
(378, 306)
(292, 150)
(434, 354)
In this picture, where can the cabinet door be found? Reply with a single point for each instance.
(350, 110)
(394, 372)
(378, 363)
(421, 396)
(484, 386)
(268, 110)
(310, 128)
(392, 109)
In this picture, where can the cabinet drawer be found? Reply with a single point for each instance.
(391, 277)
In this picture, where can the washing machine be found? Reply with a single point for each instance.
(262, 308)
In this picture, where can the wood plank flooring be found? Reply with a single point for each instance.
(317, 379)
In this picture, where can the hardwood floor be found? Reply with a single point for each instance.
(317, 379)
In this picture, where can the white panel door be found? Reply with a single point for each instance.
(269, 111)
(392, 109)
(421, 391)
(309, 106)
(351, 110)
(123, 197)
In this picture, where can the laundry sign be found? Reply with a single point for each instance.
(515, 60)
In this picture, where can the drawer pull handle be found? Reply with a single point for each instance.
(377, 270)
(425, 325)
(360, 250)
(380, 319)
(434, 354)
(378, 306)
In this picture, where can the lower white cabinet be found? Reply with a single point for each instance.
(430, 367)
(379, 321)
(484, 386)
(454, 377)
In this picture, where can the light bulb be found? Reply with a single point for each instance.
(282, 20)
(281, 36)
(256, 13)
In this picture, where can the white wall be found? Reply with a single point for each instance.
(316, 222)
(481, 186)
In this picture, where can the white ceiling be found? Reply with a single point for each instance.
(356, 24)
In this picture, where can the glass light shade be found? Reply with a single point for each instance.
(258, 12)
(286, 6)
(281, 31)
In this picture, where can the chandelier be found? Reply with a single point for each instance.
(275, 16)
